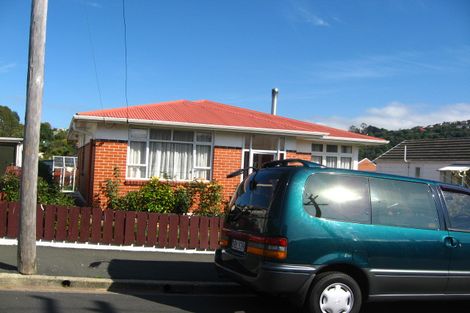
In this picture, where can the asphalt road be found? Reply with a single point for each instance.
(65, 302)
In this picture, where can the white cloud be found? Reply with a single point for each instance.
(310, 18)
(398, 115)
(94, 4)
(395, 64)
(5, 68)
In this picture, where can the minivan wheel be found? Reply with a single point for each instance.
(334, 292)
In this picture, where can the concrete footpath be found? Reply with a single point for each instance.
(116, 271)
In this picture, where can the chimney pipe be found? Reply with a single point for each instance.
(275, 93)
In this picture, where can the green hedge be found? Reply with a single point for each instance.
(164, 197)
(48, 193)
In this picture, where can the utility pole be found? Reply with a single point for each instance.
(27, 263)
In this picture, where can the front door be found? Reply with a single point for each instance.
(458, 242)
(260, 158)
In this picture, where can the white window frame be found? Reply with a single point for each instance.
(338, 154)
(194, 142)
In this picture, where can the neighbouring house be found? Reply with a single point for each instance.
(446, 160)
(11, 150)
(366, 165)
(186, 140)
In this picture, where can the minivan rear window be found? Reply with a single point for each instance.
(252, 201)
(338, 197)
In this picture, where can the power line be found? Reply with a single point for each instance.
(90, 38)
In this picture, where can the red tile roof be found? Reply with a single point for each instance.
(213, 113)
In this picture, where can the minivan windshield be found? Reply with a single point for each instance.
(252, 201)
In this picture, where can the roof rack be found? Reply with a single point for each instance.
(286, 162)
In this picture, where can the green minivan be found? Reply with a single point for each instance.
(332, 238)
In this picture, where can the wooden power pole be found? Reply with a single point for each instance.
(27, 263)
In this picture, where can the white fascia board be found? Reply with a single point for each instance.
(356, 140)
(455, 168)
(138, 122)
(11, 139)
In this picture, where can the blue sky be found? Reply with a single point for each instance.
(389, 63)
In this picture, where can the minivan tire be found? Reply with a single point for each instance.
(345, 290)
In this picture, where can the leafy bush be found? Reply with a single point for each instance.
(51, 194)
(47, 193)
(162, 197)
(183, 200)
(157, 197)
(210, 200)
(111, 190)
(10, 187)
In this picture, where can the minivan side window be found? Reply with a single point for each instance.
(337, 197)
(458, 208)
(404, 204)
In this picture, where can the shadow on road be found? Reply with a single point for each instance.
(223, 302)
(163, 270)
(8, 267)
(216, 301)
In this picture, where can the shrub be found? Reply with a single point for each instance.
(51, 194)
(47, 193)
(183, 200)
(161, 197)
(210, 200)
(132, 201)
(10, 187)
(111, 189)
(157, 197)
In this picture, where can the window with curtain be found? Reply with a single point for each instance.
(346, 162)
(172, 154)
(331, 161)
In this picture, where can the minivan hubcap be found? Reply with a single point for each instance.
(336, 298)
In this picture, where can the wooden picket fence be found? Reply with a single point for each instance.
(92, 225)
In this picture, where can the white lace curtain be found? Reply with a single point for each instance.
(171, 160)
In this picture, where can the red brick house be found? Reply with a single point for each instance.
(185, 140)
(366, 165)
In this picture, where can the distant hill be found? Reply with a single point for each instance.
(442, 130)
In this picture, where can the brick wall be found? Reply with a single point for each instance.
(299, 155)
(105, 155)
(225, 161)
(367, 166)
(108, 155)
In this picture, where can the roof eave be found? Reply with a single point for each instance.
(11, 139)
(313, 135)
(358, 140)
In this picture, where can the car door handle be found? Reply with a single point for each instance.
(451, 242)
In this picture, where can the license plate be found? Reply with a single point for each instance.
(238, 245)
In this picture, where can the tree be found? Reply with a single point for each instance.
(57, 144)
(10, 125)
(46, 133)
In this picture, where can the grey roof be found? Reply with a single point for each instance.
(451, 149)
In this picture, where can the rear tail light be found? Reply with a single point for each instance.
(223, 242)
(270, 247)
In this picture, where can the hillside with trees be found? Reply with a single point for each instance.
(53, 141)
(442, 130)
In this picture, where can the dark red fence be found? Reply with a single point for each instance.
(93, 225)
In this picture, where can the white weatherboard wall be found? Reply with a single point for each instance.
(223, 139)
(428, 169)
